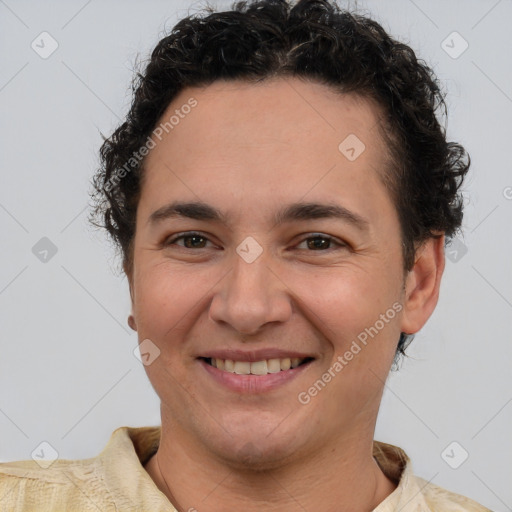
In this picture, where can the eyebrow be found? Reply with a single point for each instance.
(301, 211)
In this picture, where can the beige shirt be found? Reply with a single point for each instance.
(116, 480)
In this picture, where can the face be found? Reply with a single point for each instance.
(249, 278)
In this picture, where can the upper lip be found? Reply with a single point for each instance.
(254, 355)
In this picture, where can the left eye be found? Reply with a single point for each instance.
(321, 242)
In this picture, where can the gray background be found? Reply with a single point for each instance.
(68, 375)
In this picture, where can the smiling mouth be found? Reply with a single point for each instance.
(264, 367)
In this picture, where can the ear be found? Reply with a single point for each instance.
(131, 318)
(129, 279)
(422, 284)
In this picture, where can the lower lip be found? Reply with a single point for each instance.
(253, 383)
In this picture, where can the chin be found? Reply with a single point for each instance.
(254, 456)
(256, 449)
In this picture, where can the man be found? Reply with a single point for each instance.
(281, 192)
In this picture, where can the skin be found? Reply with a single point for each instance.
(248, 150)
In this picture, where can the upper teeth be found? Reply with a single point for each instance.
(256, 367)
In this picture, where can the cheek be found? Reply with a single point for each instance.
(343, 301)
(356, 314)
(167, 299)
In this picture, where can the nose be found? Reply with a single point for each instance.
(251, 296)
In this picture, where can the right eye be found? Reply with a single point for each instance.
(191, 239)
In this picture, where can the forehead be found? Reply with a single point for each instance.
(274, 141)
(278, 110)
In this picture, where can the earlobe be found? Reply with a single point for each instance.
(131, 322)
(422, 284)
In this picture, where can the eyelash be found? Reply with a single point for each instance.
(312, 236)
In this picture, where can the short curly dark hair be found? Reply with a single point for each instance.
(313, 40)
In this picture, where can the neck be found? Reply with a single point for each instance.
(345, 478)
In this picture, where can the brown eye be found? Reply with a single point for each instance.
(318, 242)
(321, 242)
(190, 241)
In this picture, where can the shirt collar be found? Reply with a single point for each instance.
(122, 461)
(396, 465)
